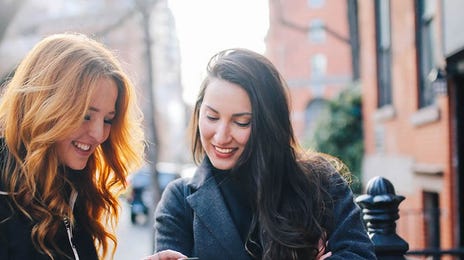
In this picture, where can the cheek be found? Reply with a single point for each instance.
(62, 147)
(243, 136)
(206, 129)
(107, 131)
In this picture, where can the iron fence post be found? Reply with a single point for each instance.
(380, 211)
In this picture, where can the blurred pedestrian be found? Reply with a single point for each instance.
(139, 183)
(256, 194)
(70, 132)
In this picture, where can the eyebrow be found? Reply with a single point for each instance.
(98, 110)
(234, 115)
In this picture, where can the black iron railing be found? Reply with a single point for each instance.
(380, 212)
(437, 253)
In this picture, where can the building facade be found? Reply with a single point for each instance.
(309, 42)
(412, 80)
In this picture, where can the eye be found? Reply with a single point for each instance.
(108, 121)
(243, 124)
(87, 117)
(212, 118)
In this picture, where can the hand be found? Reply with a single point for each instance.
(165, 255)
(322, 248)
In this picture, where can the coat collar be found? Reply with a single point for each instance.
(208, 204)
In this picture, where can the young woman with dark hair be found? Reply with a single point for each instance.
(256, 194)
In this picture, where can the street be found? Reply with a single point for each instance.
(135, 241)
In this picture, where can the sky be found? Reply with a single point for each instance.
(205, 27)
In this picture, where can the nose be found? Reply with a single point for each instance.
(223, 134)
(97, 131)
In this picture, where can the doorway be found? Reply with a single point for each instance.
(456, 94)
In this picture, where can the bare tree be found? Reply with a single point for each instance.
(145, 7)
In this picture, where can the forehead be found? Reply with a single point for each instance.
(223, 94)
(105, 93)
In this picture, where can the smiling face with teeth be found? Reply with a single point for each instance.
(75, 150)
(224, 122)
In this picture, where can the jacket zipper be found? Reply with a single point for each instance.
(67, 224)
(70, 237)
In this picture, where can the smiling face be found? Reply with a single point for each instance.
(75, 150)
(224, 123)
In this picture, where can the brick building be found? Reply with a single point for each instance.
(412, 80)
(308, 41)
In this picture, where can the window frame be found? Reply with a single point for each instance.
(383, 52)
(426, 48)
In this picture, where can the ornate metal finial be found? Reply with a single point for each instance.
(380, 211)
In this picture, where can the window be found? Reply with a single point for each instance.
(382, 22)
(317, 108)
(425, 22)
(432, 219)
(318, 65)
(317, 31)
(316, 3)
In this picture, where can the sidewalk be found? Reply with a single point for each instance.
(135, 241)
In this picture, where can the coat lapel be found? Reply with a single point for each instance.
(209, 206)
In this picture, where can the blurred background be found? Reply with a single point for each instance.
(376, 83)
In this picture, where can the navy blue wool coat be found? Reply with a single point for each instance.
(192, 218)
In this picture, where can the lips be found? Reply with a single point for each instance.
(81, 146)
(224, 150)
(224, 153)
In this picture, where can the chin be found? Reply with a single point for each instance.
(77, 166)
(223, 166)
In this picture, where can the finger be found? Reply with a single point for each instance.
(170, 254)
(326, 255)
(321, 248)
(165, 255)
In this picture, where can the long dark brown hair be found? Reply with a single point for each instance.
(292, 207)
